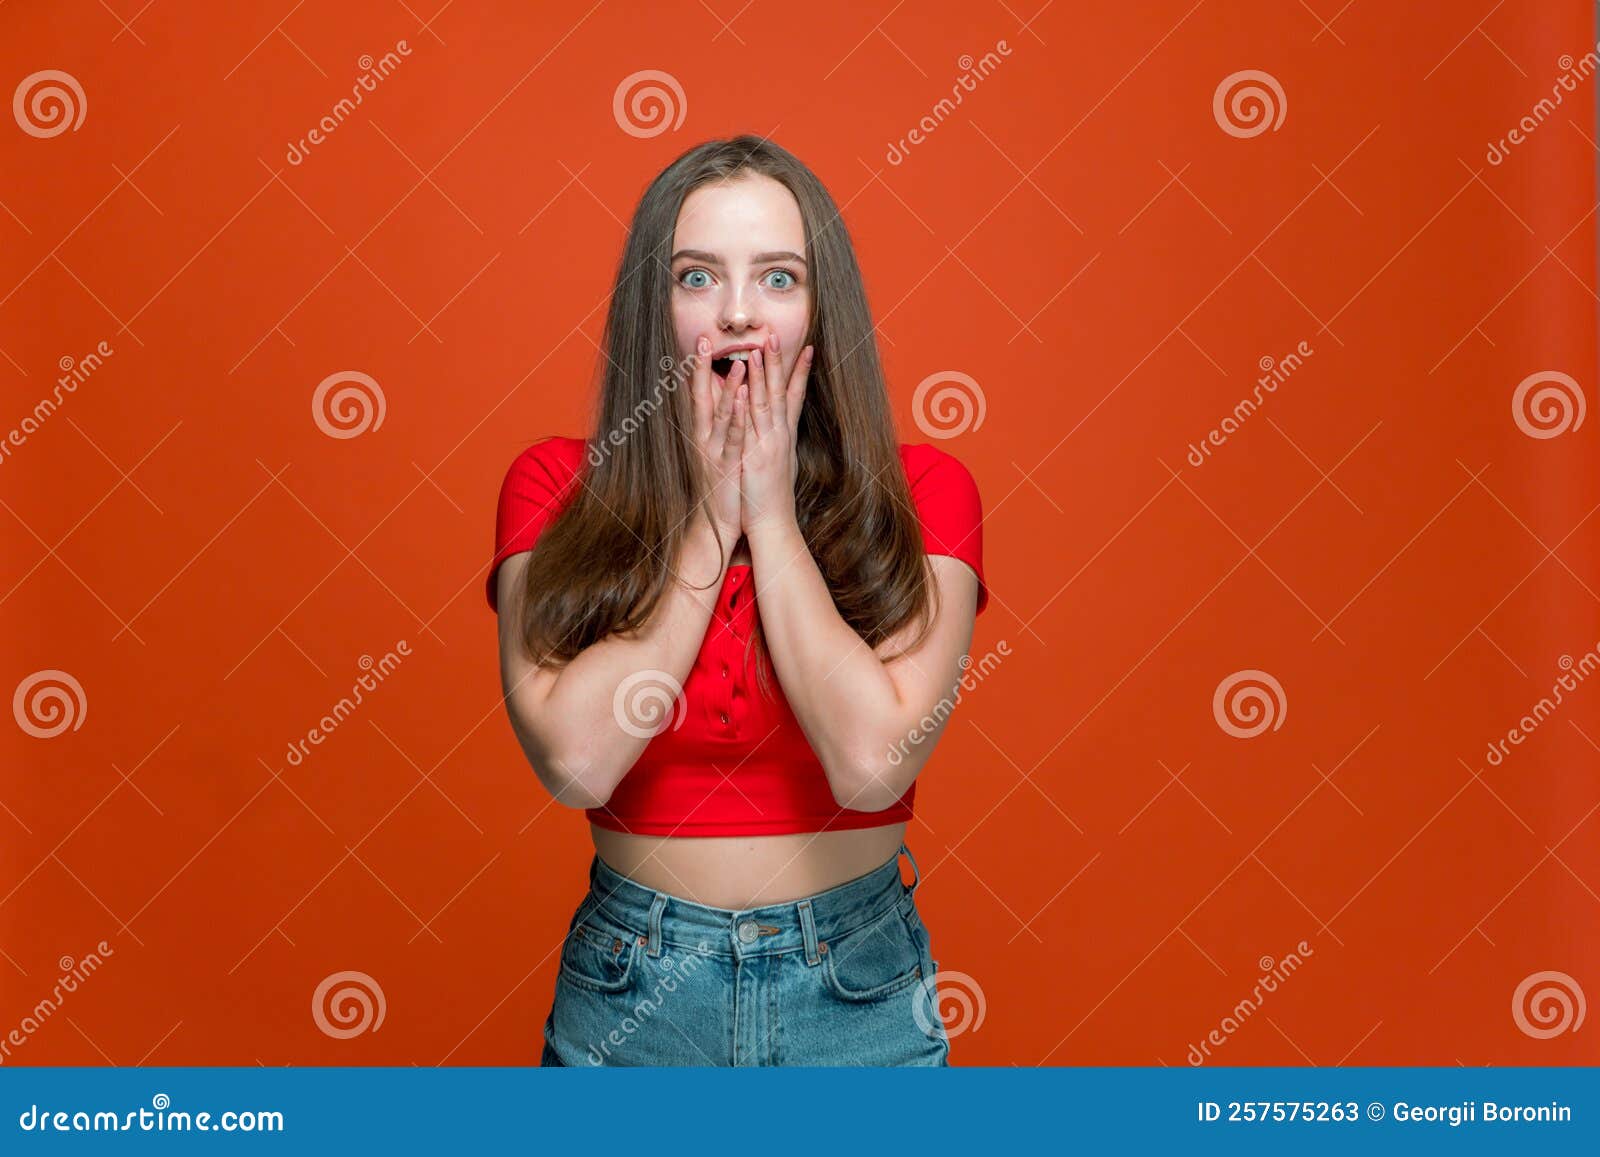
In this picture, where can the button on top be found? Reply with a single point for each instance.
(724, 670)
(748, 931)
(724, 716)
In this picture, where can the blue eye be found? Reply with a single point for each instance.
(683, 278)
(784, 273)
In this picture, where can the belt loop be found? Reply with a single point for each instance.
(808, 932)
(916, 875)
(656, 908)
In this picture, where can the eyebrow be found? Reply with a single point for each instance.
(712, 258)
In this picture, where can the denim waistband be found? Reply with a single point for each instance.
(659, 918)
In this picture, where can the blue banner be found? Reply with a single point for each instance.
(955, 1110)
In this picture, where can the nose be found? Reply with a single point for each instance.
(738, 309)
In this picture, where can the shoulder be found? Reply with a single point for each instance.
(557, 457)
(533, 493)
(948, 506)
(938, 478)
(543, 470)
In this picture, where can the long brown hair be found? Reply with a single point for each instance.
(603, 564)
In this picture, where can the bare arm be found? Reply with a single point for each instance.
(569, 721)
(862, 715)
(580, 728)
(854, 707)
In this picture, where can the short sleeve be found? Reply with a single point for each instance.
(535, 490)
(946, 496)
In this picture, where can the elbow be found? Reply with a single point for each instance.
(573, 792)
(871, 783)
(569, 774)
(574, 779)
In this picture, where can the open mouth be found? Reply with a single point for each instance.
(723, 366)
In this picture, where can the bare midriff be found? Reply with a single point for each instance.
(747, 871)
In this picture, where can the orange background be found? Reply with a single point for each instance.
(1105, 864)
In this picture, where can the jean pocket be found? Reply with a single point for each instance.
(874, 961)
(598, 953)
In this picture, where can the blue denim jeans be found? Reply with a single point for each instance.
(841, 977)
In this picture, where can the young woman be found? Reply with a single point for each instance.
(747, 775)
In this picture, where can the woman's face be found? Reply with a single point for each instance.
(739, 273)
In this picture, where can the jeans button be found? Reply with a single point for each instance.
(748, 931)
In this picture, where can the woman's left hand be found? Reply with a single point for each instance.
(769, 464)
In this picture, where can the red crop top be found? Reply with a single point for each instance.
(735, 763)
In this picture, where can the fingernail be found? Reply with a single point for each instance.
(810, 350)
(772, 343)
(703, 344)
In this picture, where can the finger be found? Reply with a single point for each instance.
(721, 418)
(799, 378)
(760, 400)
(700, 390)
(733, 428)
(776, 395)
(733, 448)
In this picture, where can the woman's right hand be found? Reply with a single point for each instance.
(719, 438)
